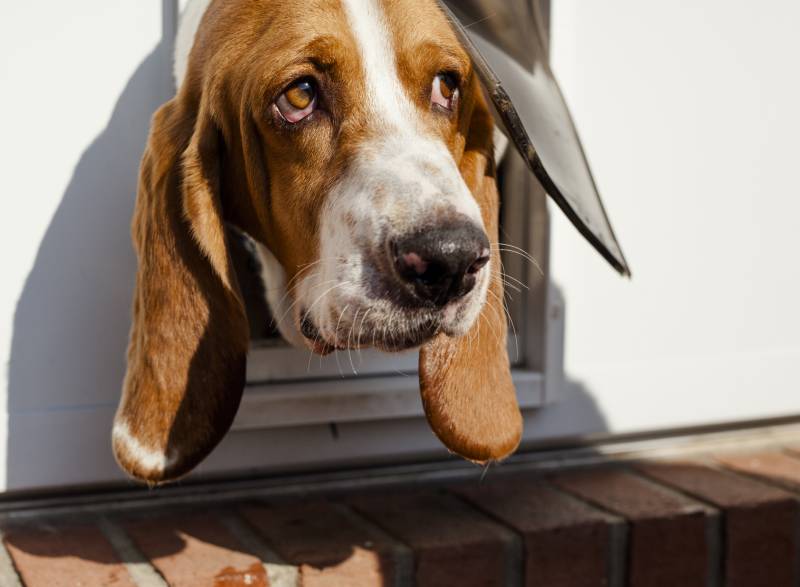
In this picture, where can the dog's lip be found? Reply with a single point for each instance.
(320, 347)
(313, 336)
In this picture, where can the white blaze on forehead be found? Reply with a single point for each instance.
(402, 130)
(385, 93)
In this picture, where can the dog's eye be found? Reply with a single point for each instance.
(444, 91)
(298, 100)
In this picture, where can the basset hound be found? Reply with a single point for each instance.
(351, 140)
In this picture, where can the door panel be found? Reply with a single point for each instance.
(508, 46)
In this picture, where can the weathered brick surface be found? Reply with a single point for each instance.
(567, 543)
(328, 545)
(59, 556)
(774, 466)
(733, 521)
(196, 551)
(452, 543)
(670, 536)
(761, 522)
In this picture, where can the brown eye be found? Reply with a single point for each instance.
(298, 100)
(300, 95)
(444, 91)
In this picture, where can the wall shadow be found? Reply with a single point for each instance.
(71, 322)
(566, 422)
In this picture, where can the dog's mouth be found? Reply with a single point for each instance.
(357, 330)
(399, 295)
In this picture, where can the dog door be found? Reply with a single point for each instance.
(290, 387)
(300, 409)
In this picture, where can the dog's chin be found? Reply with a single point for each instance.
(402, 331)
(408, 339)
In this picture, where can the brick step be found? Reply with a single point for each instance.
(714, 520)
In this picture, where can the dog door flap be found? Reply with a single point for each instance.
(507, 43)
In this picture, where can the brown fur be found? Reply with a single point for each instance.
(216, 154)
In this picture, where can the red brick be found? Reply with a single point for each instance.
(567, 542)
(776, 467)
(669, 534)
(327, 544)
(196, 551)
(453, 544)
(65, 556)
(760, 521)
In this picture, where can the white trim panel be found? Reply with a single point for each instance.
(280, 405)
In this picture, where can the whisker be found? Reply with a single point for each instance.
(480, 20)
(515, 250)
(311, 353)
(508, 283)
(511, 321)
(300, 273)
(519, 282)
(293, 305)
(360, 331)
(336, 333)
(349, 353)
(493, 329)
(322, 295)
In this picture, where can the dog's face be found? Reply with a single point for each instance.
(361, 111)
(351, 140)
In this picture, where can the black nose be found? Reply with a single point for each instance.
(440, 263)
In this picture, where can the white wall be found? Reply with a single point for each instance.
(79, 82)
(690, 136)
(690, 115)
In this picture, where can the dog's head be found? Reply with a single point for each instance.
(351, 140)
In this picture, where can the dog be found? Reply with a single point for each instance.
(352, 142)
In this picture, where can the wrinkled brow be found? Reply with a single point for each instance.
(452, 56)
(323, 51)
(296, 57)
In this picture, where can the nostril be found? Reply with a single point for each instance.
(478, 264)
(439, 264)
(413, 268)
(434, 274)
(413, 262)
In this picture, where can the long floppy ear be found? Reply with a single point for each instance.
(189, 339)
(466, 386)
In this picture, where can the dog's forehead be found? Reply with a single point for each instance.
(408, 18)
(413, 22)
(396, 26)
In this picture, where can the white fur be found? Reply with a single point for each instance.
(274, 278)
(149, 460)
(386, 95)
